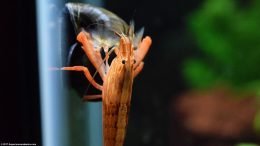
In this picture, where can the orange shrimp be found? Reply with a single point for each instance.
(117, 81)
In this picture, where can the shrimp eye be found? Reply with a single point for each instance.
(123, 61)
(134, 61)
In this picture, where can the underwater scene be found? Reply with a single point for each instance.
(134, 73)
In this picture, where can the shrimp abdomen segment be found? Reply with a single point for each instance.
(115, 119)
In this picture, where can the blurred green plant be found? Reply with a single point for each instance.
(247, 144)
(228, 34)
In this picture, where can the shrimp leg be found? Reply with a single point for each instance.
(142, 50)
(93, 55)
(138, 69)
(86, 73)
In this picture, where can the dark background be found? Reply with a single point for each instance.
(19, 100)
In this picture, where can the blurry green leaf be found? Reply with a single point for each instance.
(210, 25)
(257, 122)
(253, 87)
(247, 144)
(228, 35)
(199, 74)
